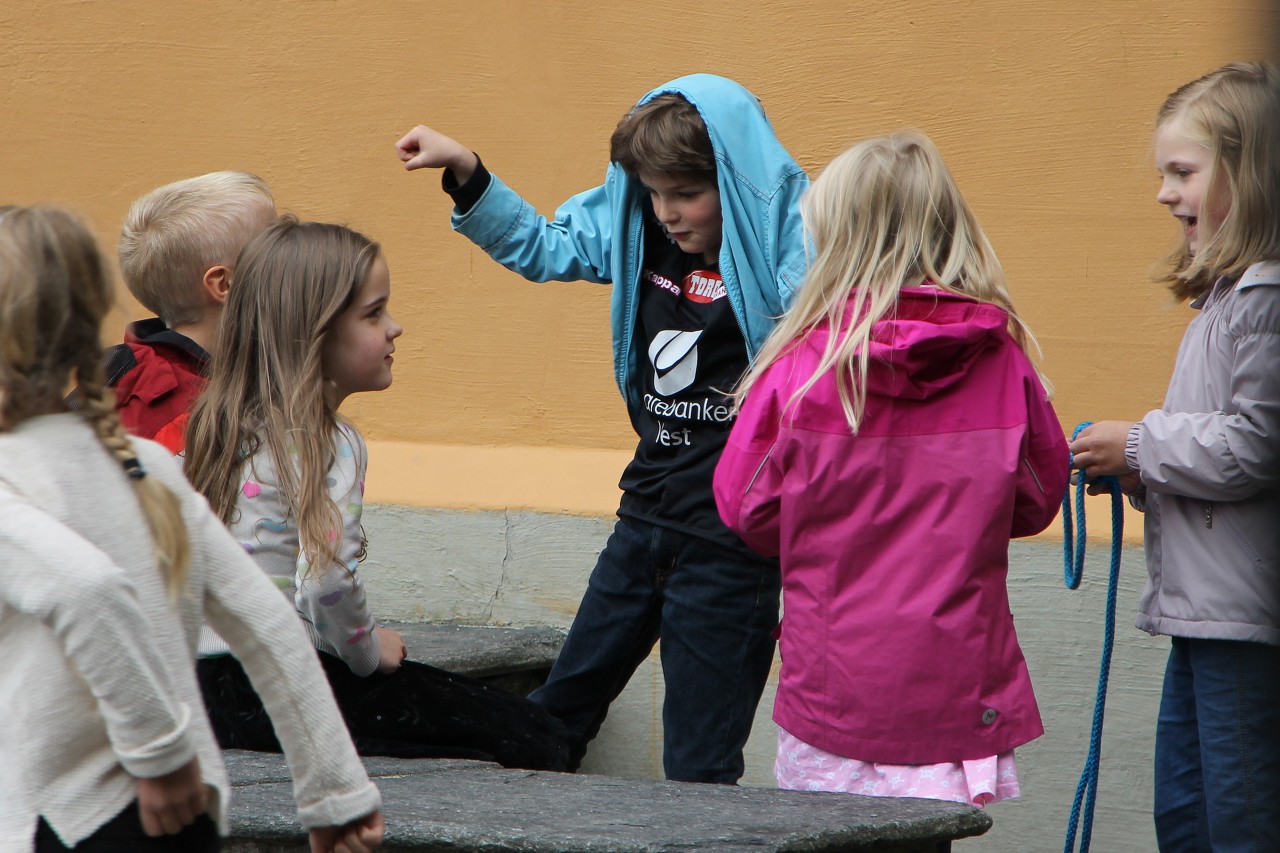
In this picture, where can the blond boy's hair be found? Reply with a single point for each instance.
(176, 232)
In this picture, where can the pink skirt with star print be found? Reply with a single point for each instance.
(801, 767)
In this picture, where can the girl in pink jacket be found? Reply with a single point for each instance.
(892, 436)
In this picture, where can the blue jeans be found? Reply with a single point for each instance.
(1217, 785)
(715, 611)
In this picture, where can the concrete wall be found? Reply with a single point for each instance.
(495, 455)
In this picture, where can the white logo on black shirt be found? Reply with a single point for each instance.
(675, 360)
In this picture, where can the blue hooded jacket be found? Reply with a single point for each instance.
(598, 235)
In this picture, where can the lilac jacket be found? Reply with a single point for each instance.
(1210, 465)
(897, 641)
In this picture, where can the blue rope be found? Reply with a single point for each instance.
(1073, 571)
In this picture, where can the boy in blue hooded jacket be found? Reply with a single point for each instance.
(697, 226)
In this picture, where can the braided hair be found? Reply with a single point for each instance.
(54, 294)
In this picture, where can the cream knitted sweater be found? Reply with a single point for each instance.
(97, 683)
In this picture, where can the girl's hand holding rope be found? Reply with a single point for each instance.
(1098, 451)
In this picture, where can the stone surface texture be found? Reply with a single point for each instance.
(522, 568)
(481, 650)
(470, 806)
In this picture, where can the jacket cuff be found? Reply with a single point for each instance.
(163, 755)
(340, 809)
(466, 195)
(1131, 447)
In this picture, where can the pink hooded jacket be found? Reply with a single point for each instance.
(897, 641)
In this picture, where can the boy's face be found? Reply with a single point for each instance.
(689, 209)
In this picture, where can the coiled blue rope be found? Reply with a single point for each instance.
(1073, 571)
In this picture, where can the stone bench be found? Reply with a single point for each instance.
(473, 806)
(515, 659)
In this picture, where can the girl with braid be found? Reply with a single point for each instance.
(111, 563)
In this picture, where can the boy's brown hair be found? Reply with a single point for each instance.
(667, 135)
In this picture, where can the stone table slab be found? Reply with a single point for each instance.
(475, 807)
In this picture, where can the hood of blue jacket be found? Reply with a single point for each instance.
(762, 254)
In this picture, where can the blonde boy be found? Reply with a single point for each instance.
(177, 249)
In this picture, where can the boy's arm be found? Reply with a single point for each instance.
(793, 259)
(424, 148)
(574, 246)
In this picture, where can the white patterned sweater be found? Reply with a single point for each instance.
(329, 599)
(97, 684)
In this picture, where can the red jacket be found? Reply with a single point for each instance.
(897, 641)
(157, 374)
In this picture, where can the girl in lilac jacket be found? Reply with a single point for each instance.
(1205, 469)
(893, 436)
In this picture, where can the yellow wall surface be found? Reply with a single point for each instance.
(504, 393)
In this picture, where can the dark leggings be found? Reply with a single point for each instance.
(124, 833)
(418, 711)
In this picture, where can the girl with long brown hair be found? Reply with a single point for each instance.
(307, 325)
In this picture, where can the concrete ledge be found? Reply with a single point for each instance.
(515, 659)
(475, 807)
(480, 651)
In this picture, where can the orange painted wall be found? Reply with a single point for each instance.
(1043, 111)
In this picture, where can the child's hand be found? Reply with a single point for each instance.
(360, 836)
(391, 650)
(168, 803)
(424, 148)
(1099, 449)
(1129, 483)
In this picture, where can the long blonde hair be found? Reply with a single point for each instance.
(884, 215)
(266, 390)
(1235, 113)
(54, 294)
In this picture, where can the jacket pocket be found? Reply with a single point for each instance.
(1227, 517)
(756, 475)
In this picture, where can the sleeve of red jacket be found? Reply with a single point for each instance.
(1042, 470)
(748, 479)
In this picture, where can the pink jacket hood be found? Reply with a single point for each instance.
(928, 344)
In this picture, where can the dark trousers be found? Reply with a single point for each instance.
(123, 834)
(418, 711)
(715, 611)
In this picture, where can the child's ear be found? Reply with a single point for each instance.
(217, 283)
